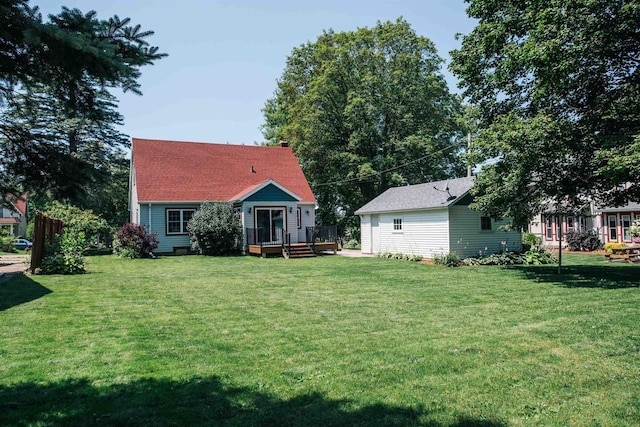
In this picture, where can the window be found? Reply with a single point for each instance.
(485, 223)
(397, 224)
(626, 224)
(548, 228)
(177, 220)
(613, 228)
(571, 226)
(270, 224)
(583, 223)
(299, 218)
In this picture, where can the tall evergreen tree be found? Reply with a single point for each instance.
(58, 117)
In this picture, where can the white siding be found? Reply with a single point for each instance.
(423, 233)
(468, 240)
(365, 234)
(134, 206)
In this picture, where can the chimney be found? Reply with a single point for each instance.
(283, 144)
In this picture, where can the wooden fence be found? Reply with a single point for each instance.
(44, 230)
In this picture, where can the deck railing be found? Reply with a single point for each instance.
(321, 234)
(262, 236)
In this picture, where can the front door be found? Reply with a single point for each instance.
(375, 234)
(270, 224)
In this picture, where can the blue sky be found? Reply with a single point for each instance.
(225, 56)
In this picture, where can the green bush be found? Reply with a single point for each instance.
(530, 240)
(64, 255)
(215, 229)
(539, 257)
(399, 256)
(448, 260)
(76, 220)
(583, 241)
(351, 244)
(501, 258)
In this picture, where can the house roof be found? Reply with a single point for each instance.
(20, 203)
(431, 195)
(631, 207)
(179, 171)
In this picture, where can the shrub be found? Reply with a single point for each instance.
(76, 220)
(583, 240)
(351, 244)
(613, 245)
(133, 241)
(448, 260)
(501, 258)
(539, 257)
(530, 240)
(215, 229)
(399, 256)
(64, 255)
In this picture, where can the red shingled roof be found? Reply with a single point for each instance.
(174, 171)
(20, 203)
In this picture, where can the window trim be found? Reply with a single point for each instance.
(626, 235)
(614, 229)
(183, 230)
(548, 228)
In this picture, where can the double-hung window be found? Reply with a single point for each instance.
(613, 228)
(626, 224)
(177, 220)
(485, 223)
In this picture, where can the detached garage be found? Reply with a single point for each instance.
(432, 219)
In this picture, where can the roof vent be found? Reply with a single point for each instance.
(283, 144)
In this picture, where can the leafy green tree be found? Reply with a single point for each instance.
(78, 221)
(215, 229)
(57, 113)
(558, 87)
(364, 111)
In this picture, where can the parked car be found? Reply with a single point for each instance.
(22, 244)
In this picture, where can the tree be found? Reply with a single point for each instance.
(558, 87)
(215, 229)
(364, 111)
(58, 117)
(77, 221)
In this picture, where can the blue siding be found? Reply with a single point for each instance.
(270, 193)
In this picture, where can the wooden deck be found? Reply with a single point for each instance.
(276, 250)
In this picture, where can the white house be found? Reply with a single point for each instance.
(611, 224)
(14, 218)
(432, 219)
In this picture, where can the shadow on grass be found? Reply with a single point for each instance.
(583, 276)
(18, 290)
(205, 401)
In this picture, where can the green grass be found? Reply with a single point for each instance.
(324, 341)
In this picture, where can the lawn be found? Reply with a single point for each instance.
(323, 341)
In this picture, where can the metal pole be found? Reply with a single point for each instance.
(559, 219)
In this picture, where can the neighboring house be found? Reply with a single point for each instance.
(431, 219)
(170, 180)
(611, 224)
(14, 218)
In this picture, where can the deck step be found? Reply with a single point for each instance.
(300, 251)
